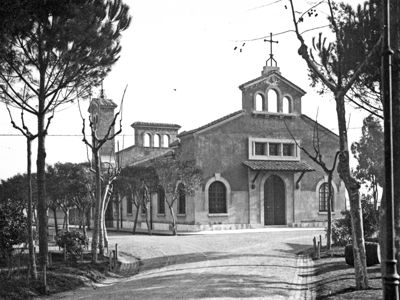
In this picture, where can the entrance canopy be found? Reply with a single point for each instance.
(277, 165)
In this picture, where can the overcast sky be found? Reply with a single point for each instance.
(179, 63)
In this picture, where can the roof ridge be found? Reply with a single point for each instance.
(141, 123)
(226, 117)
(323, 127)
(269, 74)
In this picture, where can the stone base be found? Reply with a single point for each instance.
(312, 224)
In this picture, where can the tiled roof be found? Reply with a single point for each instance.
(148, 160)
(278, 165)
(212, 123)
(150, 124)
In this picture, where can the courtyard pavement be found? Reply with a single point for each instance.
(247, 264)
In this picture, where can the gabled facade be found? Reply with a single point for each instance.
(254, 173)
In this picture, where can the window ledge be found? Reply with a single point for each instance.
(325, 213)
(277, 114)
(181, 215)
(278, 158)
(218, 215)
(160, 215)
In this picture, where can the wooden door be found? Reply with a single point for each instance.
(274, 201)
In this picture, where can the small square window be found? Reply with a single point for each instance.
(274, 149)
(288, 150)
(259, 149)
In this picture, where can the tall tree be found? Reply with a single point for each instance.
(368, 152)
(81, 191)
(135, 183)
(318, 157)
(58, 49)
(112, 172)
(178, 178)
(29, 138)
(59, 178)
(338, 72)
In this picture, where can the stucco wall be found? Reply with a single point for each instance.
(223, 149)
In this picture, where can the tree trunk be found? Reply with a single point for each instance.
(107, 201)
(96, 225)
(136, 218)
(173, 221)
(375, 194)
(102, 220)
(117, 208)
(121, 210)
(67, 219)
(31, 245)
(88, 217)
(55, 219)
(41, 193)
(83, 222)
(147, 218)
(352, 186)
(330, 198)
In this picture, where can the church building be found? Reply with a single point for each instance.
(254, 173)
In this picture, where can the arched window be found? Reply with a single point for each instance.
(217, 198)
(259, 102)
(323, 197)
(181, 199)
(161, 201)
(165, 141)
(286, 109)
(146, 140)
(156, 141)
(272, 101)
(129, 205)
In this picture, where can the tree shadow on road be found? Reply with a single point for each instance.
(163, 261)
(186, 284)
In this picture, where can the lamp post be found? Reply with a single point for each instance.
(390, 276)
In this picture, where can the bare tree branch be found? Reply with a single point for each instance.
(304, 53)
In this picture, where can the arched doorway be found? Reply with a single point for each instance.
(274, 201)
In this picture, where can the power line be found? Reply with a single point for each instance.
(279, 33)
(265, 5)
(57, 135)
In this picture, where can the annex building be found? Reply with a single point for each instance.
(254, 173)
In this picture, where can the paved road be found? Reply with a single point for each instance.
(251, 265)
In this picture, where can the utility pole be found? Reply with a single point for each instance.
(391, 113)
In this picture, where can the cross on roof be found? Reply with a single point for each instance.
(271, 55)
(102, 90)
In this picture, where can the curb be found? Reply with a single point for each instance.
(302, 279)
(130, 268)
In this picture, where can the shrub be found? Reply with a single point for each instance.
(341, 228)
(73, 241)
(13, 227)
(341, 231)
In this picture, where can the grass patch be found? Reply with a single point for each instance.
(334, 279)
(61, 277)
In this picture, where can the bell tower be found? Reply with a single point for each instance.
(271, 95)
(101, 112)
